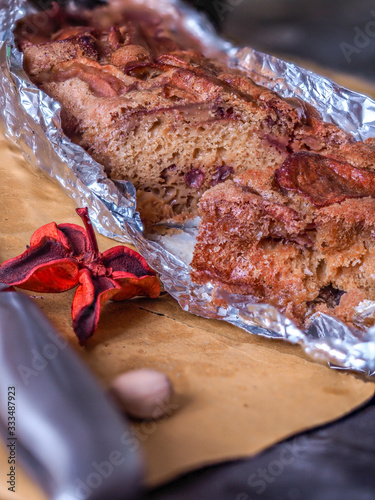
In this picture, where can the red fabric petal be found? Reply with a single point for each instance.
(42, 268)
(72, 236)
(148, 286)
(91, 294)
(125, 260)
(77, 237)
(50, 230)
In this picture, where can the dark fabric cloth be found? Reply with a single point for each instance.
(335, 462)
(338, 34)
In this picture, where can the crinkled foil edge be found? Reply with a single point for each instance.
(32, 120)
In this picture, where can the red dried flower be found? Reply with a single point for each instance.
(63, 256)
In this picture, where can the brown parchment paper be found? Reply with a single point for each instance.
(236, 394)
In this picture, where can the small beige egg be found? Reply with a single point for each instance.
(143, 394)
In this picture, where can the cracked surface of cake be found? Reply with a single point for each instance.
(301, 238)
(286, 200)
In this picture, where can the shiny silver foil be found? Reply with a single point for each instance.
(32, 120)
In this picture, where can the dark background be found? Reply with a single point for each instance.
(337, 34)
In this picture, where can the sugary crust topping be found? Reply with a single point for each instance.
(351, 211)
(249, 216)
(102, 80)
(271, 242)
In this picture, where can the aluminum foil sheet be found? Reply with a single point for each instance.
(32, 120)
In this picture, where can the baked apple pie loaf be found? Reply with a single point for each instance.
(287, 201)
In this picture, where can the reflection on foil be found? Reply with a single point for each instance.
(32, 120)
